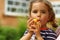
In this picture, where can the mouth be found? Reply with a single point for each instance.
(37, 20)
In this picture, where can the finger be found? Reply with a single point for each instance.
(29, 24)
(39, 24)
(32, 30)
(29, 20)
(29, 27)
(33, 26)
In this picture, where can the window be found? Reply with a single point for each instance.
(17, 3)
(56, 7)
(16, 7)
(20, 10)
(27, 0)
(13, 9)
(10, 2)
(24, 4)
(8, 9)
(26, 11)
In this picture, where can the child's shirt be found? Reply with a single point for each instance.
(46, 34)
(58, 38)
(58, 31)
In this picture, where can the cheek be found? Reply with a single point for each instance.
(33, 15)
(44, 19)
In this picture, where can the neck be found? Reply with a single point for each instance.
(43, 26)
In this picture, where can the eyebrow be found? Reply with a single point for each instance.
(42, 10)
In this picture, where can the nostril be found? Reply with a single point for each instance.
(38, 16)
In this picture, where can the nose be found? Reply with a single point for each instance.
(38, 14)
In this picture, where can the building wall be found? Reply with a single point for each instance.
(6, 20)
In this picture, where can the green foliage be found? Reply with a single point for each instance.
(8, 33)
(22, 26)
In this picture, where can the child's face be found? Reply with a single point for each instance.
(40, 11)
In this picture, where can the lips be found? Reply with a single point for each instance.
(36, 20)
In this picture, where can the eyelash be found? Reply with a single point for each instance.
(35, 11)
(41, 12)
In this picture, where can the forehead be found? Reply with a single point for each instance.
(39, 5)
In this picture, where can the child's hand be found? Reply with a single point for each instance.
(29, 23)
(34, 25)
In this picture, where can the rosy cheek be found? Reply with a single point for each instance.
(43, 21)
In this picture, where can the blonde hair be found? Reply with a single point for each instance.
(50, 10)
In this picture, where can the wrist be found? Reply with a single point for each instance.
(37, 34)
(30, 33)
(39, 37)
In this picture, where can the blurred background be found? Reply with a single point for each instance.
(14, 15)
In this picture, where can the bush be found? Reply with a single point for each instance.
(8, 33)
(22, 26)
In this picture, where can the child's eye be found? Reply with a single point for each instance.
(35, 11)
(43, 12)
